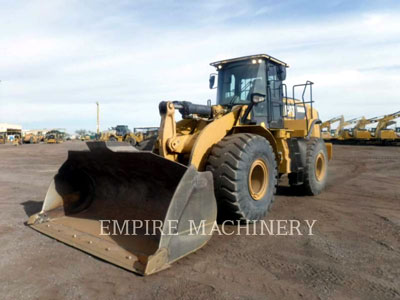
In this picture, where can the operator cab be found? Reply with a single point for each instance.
(255, 81)
(122, 130)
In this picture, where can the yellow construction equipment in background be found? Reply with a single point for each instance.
(342, 133)
(85, 138)
(121, 133)
(31, 138)
(224, 158)
(382, 133)
(3, 137)
(327, 132)
(360, 133)
(54, 137)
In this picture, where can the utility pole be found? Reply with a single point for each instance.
(98, 118)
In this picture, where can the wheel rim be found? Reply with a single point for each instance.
(320, 167)
(258, 179)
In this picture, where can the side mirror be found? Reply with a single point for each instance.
(212, 80)
(257, 98)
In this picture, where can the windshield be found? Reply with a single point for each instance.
(237, 81)
(122, 129)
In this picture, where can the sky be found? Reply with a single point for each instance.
(57, 58)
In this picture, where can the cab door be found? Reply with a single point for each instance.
(274, 97)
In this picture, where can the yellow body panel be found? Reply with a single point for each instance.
(329, 150)
(362, 134)
(209, 136)
(190, 140)
(388, 134)
(51, 141)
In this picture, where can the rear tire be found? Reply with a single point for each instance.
(316, 168)
(131, 141)
(245, 176)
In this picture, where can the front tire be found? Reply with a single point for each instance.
(245, 176)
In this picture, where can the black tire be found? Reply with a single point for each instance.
(231, 161)
(316, 168)
(112, 139)
(131, 141)
(31, 140)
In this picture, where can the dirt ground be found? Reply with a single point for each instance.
(353, 254)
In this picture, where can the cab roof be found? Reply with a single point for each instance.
(257, 56)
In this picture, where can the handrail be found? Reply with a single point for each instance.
(308, 83)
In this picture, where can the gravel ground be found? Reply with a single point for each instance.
(353, 254)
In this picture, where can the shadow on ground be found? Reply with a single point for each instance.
(32, 207)
(288, 191)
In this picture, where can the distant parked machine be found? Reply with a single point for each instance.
(360, 132)
(41, 136)
(146, 137)
(3, 137)
(143, 133)
(327, 132)
(14, 136)
(54, 137)
(384, 134)
(381, 133)
(122, 133)
(343, 133)
(31, 138)
(85, 138)
(10, 133)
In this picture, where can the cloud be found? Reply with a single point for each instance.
(58, 59)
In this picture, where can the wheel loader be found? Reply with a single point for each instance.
(120, 133)
(54, 137)
(219, 161)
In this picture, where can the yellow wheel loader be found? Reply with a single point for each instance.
(219, 160)
(54, 137)
(121, 133)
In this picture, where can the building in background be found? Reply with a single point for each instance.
(12, 132)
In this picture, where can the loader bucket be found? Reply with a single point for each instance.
(132, 208)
